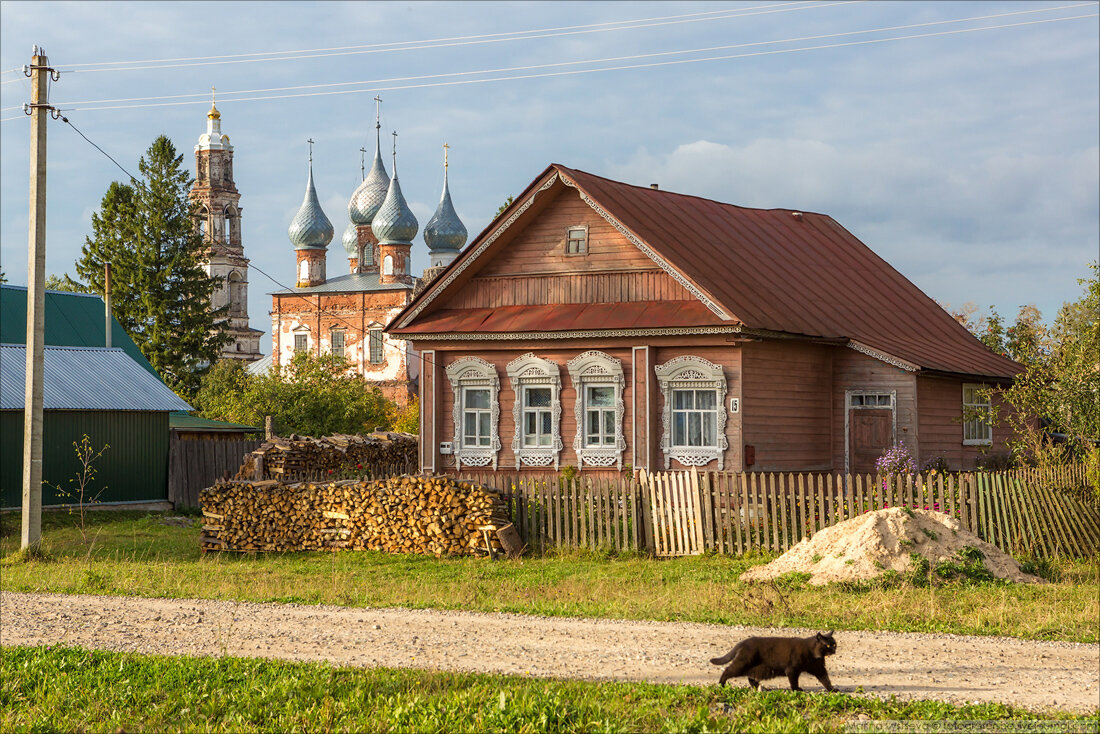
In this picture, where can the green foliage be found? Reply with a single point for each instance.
(313, 396)
(507, 203)
(407, 419)
(569, 472)
(79, 491)
(64, 283)
(160, 289)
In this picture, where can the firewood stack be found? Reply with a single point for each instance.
(301, 455)
(408, 514)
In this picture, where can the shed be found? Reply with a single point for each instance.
(94, 391)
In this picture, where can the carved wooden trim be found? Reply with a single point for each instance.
(474, 372)
(528, 371)
(597, 368)
(693, 373)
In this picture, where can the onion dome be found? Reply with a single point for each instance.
(310, 228)
(351, 241)
(368, 197)
(445, 231)
(394, 224)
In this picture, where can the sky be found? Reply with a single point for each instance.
(958, 140)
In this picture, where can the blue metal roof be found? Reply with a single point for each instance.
(84, 378)
(351, 283)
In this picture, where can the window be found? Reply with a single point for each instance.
(598, 379)
(536, 410)
(866, 400)
(977, 416)
(336, 339)
(202, 223)
(536, 416)
(387, 265)
(375, 344)
(475, 386)
(228, 231)
(576, 241)
(476, 417)
(694, 419)
(301, 342)
(694, 416)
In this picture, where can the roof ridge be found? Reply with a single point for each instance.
(568, 170)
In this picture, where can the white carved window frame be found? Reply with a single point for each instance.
(474, 372)
(692, 373)
(597, 369)
(531, 371)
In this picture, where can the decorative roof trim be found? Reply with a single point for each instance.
(588, 334)
(883, 357)
(661, 263)
(476, 253)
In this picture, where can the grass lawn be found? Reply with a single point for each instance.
(70, 689)
(131, 553)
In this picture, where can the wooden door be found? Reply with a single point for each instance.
(870, 433)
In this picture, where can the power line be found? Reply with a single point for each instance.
(574, 72)
(227, 96)
(74, 127)
(466, 40)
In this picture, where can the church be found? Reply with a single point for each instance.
(218, 221)
(346, 315)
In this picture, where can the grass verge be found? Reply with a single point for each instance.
(71, 689)
(138, 554)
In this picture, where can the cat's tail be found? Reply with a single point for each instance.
(725, 658)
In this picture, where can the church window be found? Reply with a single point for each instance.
(387, 265)
(201, 221)
(301, 342)
(536, 410)
(336, 339)
(303, 271)
(237, 297)
(476, 386)
(598, 408)
(375, 343)
(694, 416)
(228, 231)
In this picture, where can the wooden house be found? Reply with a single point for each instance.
(608, 326)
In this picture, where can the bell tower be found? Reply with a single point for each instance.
(218, 222)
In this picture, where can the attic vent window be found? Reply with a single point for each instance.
(576, 241)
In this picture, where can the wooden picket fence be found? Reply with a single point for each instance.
(685, 513)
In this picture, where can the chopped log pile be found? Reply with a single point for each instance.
(407, 514)
(296, 456)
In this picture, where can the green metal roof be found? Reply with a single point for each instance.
(188, 422)
(72, 320)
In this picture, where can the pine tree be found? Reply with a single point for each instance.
(160, 291)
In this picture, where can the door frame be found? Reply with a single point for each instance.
(848, 408)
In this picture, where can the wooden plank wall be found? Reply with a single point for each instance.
(195, 465)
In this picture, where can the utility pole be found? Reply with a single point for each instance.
(36, 303)
(107, 302)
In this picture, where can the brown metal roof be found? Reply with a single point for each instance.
(771, 269)
(565, 317)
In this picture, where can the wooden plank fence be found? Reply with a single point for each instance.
(195, 465)
(685, 513)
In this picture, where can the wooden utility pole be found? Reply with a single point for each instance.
(107, 302)
(36, 305)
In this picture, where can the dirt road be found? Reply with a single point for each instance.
(1035, 675)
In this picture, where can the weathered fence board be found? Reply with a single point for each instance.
(195, 465)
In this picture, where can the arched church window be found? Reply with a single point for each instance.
(387, 265)
(237, 294)
(201, 222)
(303, 271)
(228, 228)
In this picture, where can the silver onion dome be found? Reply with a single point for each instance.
(394, 223)
(310, 229)
(445, 231)
(350, 241)
(368, 197)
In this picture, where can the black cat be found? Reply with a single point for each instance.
(761, 658)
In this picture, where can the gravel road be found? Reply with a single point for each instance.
(952, 668)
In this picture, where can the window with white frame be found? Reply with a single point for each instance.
(374, 342)
(977, 416)
(336, 340)
(694, 416)
(576, 240)
(536, 384)
(301, 342)
(598, 408)
(475, 385)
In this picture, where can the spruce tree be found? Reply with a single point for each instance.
(160, 290)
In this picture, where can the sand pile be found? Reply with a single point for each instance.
(867, 546)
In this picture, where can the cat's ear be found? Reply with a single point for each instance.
(829, 633)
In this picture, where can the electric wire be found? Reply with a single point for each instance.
(109, 156)
(575, 72)
(462, 40)
(228, 96)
